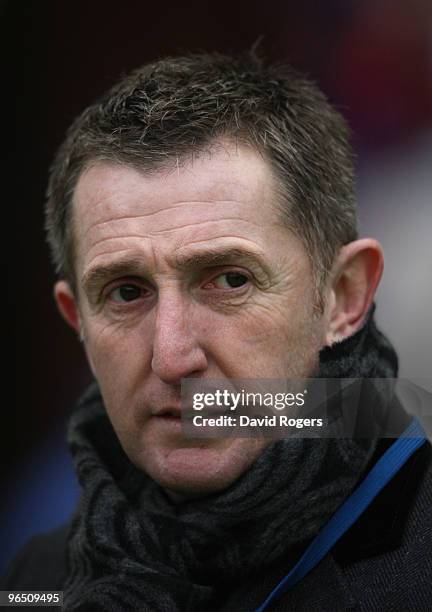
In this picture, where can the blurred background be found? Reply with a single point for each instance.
(373, 59)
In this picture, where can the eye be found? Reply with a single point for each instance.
(230, 280)
(126, 293)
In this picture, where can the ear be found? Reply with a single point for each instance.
(355, 277)
(67, 305)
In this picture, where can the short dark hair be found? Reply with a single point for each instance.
(177, 106)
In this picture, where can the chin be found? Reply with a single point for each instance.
(196, 471)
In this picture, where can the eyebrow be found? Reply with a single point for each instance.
(217, 257)
(134, 265)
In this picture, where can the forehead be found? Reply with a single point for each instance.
(226, 191)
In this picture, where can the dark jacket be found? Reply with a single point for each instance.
(382, 563)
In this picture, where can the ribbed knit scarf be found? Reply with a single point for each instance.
(131, 548)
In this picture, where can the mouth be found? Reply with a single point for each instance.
(169, 422)
(168, 417)
(174, 413)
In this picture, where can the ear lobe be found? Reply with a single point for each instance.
(67, 305)
(356, 275)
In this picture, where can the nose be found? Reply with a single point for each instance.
(177, 353)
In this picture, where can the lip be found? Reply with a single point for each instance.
(168, 411)
(175, 413)
(168, 423)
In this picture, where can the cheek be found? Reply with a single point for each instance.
(275, 340)
(120, 356)
(256, 341)
(267, 323)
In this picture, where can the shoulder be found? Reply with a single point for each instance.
(40, 564)
(389, 549)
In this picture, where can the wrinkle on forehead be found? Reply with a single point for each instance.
(120, 230)
(118, 201)
(146, 216)
(225, 179)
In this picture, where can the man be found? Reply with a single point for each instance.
(202, 221)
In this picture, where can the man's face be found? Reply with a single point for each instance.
(189, 274)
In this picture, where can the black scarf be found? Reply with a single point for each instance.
(131, 548)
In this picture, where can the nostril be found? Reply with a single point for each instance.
(173, 365)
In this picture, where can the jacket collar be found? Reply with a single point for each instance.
(381, 526)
